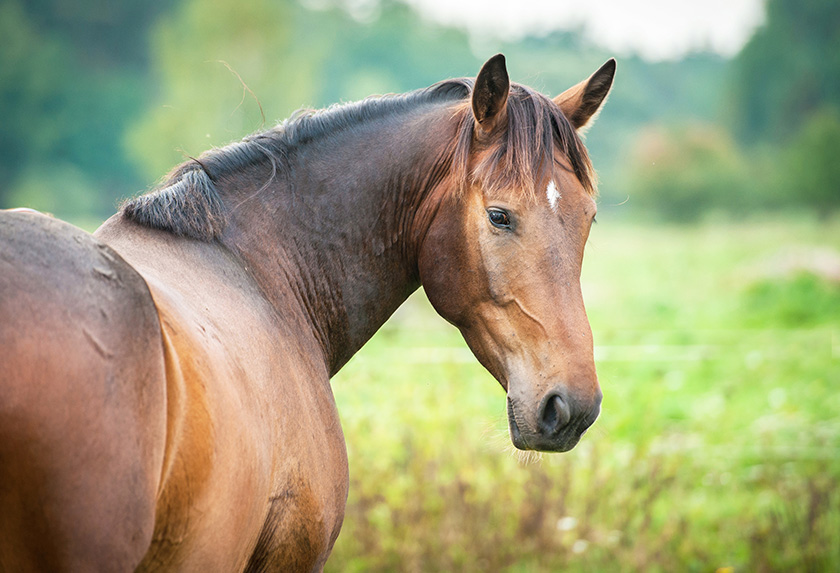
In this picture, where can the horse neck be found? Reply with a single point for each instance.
(340, 232)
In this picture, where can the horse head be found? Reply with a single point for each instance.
(501, 259)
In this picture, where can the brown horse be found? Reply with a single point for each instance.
(165, 396)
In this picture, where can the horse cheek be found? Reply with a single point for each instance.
(444, 273)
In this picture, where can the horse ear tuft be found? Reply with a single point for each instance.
(581, 103)
(490, 94)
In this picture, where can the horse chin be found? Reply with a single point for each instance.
(540, 444)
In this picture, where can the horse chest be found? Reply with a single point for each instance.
(258, 477)
(306, 507)
(299, 531)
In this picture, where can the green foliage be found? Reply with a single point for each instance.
(782, 102)
(123, 93)
(788, 70)
(220, 70)
(104, 35)
(804, 300)
(716, 446)
(209, 64)
(392, 52)
(812, 168)
(64, 110)
(683, 173)
(645, 95)
(57, 188)
(25, 91)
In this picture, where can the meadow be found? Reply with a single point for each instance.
(718, 445)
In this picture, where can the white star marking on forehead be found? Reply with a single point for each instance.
(552, 194)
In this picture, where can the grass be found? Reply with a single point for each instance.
(718, 446)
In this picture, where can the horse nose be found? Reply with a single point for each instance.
(561, 417)
(554, 413)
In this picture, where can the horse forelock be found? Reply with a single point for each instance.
(524, 153)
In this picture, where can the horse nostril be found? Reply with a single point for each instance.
(555, 414)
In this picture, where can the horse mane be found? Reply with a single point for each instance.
(189, 204)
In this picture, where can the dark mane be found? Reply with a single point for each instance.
(188, 203)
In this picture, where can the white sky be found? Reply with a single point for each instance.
(655, 29)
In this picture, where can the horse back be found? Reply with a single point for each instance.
(82, 401)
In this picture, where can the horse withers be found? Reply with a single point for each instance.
(164, 384)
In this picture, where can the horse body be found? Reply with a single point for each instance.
(244, 284)
(255, 457)
(82, 401)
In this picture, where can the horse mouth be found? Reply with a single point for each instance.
(515, 434)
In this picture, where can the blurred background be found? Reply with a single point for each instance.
(712, 278)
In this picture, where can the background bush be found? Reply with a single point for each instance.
(680, 174)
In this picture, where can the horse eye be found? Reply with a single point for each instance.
(499, 218)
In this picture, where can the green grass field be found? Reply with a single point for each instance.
(718, 446)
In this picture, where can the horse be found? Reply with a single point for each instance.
(165, 399)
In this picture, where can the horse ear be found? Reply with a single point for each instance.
(581, 103)
(490, 94)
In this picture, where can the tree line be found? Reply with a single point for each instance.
(99, 100)
(774, 142)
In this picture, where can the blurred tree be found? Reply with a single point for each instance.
(682, 173)
(811, 164)
(104, 35)
(789, 69)
(214, 66)
(65, 102)
(648, 94)
(92, 101)
(29, 66)
(394, 51)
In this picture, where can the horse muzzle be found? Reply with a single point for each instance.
(555, 425)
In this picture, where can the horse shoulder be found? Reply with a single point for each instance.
(256, 467)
